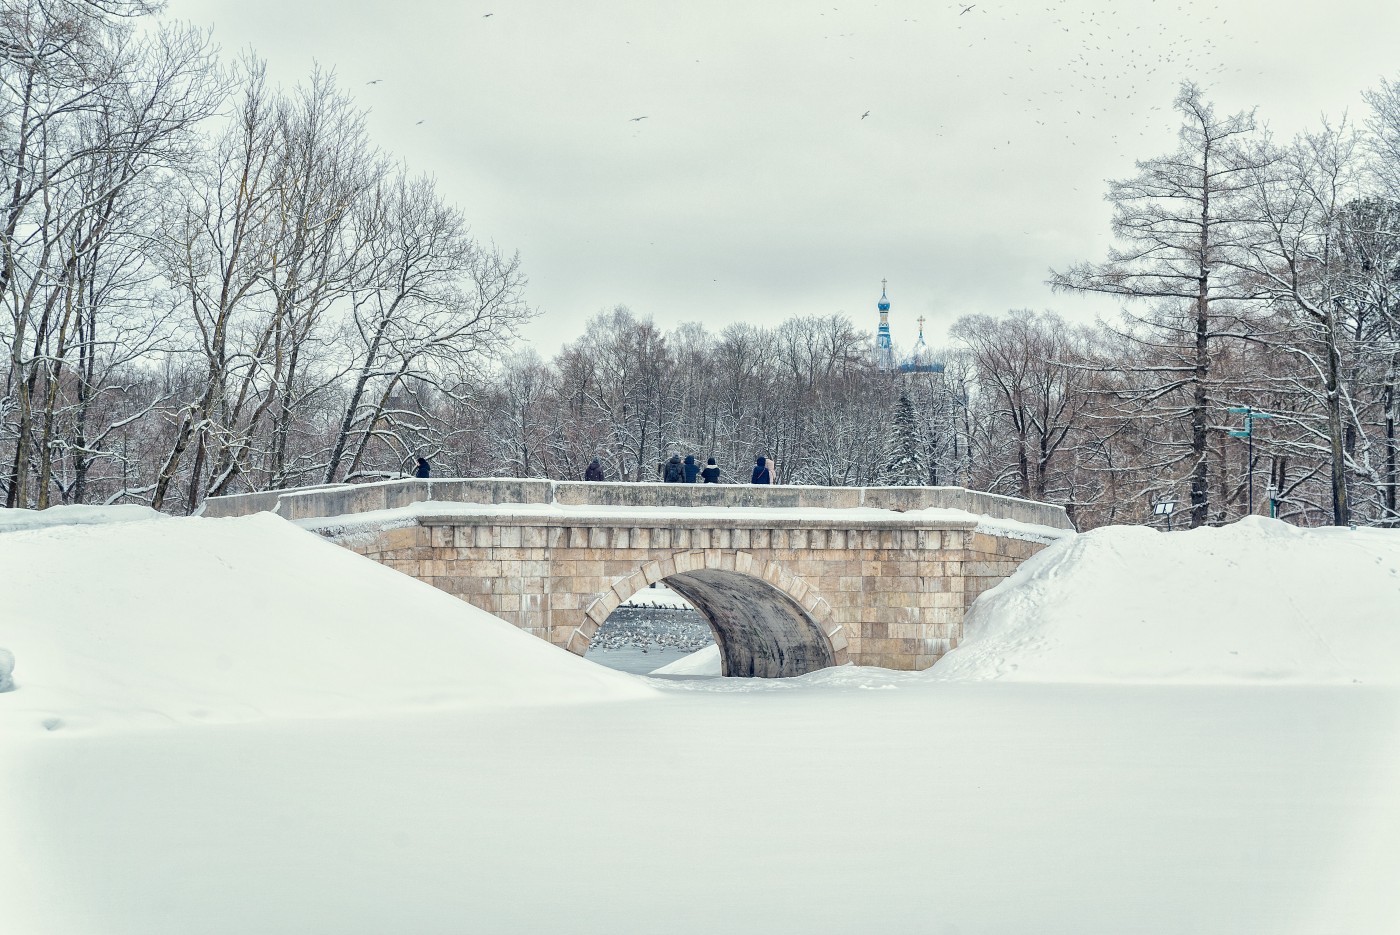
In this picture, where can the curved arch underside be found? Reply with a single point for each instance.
(761, 632)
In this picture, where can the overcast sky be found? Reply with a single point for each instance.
(754, 190)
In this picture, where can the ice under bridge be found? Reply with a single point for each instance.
(791, 579)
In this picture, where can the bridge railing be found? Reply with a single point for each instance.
(343, 499)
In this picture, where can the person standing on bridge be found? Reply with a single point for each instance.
(675, 471)
(711, 473)
(422, 468)
(692, 469)
(761, 473)
(594, 472)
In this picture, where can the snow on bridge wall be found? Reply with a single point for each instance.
(792, 579)
(343, 499)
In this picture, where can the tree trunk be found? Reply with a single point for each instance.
(1389, 397)
(1341, 508)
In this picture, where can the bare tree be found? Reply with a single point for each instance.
(217, 259)
(1033, 368)
(1178, 219)
(431, 307)
(1294, 252)
(91, 111)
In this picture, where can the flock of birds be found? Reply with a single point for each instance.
(1096, 59)
(1063, 64)
(1095, 52)
(1092, 61)
(653, 627)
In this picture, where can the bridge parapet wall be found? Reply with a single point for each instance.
(306, 503)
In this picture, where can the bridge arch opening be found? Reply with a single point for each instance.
(766, 622)
(760, 631)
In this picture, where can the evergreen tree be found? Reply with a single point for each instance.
(903, 463)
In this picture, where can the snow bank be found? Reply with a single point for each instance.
(20, 520)
(1259, 600)
(7, 667)
(200, 620)
(701, 662)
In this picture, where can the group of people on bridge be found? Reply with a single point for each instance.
(688, 471)
(672, 471)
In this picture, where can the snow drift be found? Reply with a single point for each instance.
(199, 620)
(1258, 600)
(704, 661)
(15, 520)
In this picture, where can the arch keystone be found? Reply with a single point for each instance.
(689, 561)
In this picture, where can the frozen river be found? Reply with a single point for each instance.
(635, 659)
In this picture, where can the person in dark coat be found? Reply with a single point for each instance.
(692, 469)
(761, 474)
(711, 472)
(675, 471)
(422, 468)
(594, 472)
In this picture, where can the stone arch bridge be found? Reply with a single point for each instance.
(791, 579)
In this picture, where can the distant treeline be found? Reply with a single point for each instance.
(211, 285)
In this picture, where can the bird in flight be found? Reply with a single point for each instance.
(375, 81)
(635, 119)
(968, 9)
(864, 115)
(484, 15)
(419, 123)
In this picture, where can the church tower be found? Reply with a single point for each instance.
(884, 349)
(920, 359)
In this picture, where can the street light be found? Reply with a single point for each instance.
(1250, 415)
(1164, 508)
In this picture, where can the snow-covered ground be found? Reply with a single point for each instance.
(259, 732)
(1256, 601)
(701, 662)
(23, 520)
(153, 622)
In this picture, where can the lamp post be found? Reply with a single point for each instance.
(1273, 500)
(1164, 508)
(1250, 414)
